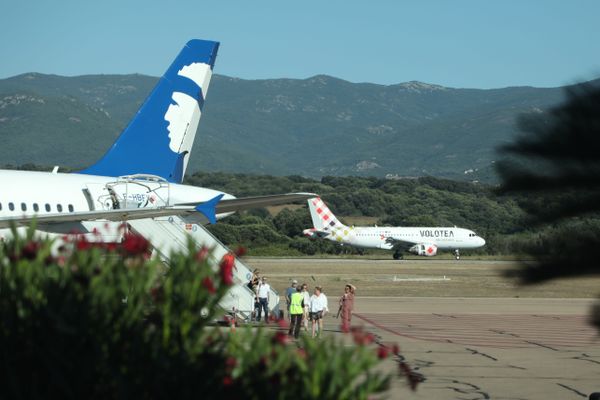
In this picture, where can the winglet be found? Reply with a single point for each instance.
(208, 208)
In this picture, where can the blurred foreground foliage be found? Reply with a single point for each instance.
(554, 166)
(106, 321)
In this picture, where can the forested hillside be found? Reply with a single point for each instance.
(314, 127)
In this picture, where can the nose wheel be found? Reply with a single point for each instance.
(457, 254)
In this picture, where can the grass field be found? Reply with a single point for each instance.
(416, 278)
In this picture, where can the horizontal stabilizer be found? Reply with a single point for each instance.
(208, 209)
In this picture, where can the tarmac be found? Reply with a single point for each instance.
(487, 348)
(499, 341)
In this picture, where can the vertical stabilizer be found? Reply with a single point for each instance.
(159, 139)
(322, 217)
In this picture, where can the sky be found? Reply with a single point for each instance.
(454, 43)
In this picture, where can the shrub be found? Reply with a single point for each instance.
(106, 321)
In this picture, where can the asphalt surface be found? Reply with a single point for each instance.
(495, 341)
(480, 348)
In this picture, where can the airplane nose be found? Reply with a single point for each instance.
(481, 241)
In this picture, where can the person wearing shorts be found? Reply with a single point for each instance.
(316, 310)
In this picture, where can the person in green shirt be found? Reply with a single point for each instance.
(296, 312)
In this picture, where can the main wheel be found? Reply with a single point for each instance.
(397, 256)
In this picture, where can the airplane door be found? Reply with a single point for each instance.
(139, 193)
(99, 197)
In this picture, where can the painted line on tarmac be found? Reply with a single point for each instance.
(499, 331)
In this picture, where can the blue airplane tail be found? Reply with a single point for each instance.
(159, 139)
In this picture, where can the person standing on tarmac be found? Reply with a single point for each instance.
(263, 298)
(316, 310)
(306, 296)
(288, 295)
(325, 302)
(346, 306)
(296, 312)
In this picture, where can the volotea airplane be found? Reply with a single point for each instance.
(422, 241)
(140, 176)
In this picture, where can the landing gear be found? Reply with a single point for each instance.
(457, 254)
(397, 255)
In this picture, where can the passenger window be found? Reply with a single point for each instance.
(23, 207)
(48, 208)
(0, 206)
(70, 207)
(36, 208)
(11, 206)
(59, 207)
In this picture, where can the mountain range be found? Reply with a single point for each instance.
(311, 127)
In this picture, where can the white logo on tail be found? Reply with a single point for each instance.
(184, 115)
(200, 73)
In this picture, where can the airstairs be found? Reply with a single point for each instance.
(170, 234)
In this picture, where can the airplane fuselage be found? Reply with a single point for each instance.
(379, 237)
(33, 193)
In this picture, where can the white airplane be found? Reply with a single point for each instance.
(423, 241)
(140, 176)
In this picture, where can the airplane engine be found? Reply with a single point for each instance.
(424, 249)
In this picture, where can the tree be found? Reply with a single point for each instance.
(555, 167)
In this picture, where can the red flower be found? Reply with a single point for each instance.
(209, 285)
(283, 323)
(227, 381)
(240, 251)
(361, 337)
(30, 250)
(280, 338)
(82, 243)
(382, 352)
(110, 246)
(135, 244)
(273, 318)
(226, 269)
(202, 254)
(230, 362)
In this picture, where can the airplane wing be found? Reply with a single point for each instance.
(400, 244)
(209, 209)
(246, 203)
